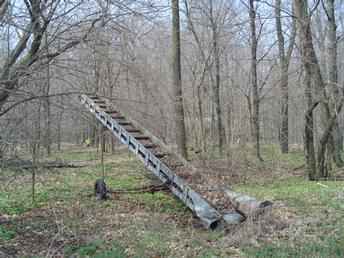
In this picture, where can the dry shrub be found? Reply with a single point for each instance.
(254, 230)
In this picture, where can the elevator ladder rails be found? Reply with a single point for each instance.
(131, 136)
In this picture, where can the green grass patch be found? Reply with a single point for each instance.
(310, 200)
(271, 154)
(145, 223)
(12, 204)
(294, 159)
(123, 182)
(19, 199)
(306, 196)
(66, 185)
(81, 155)
(6, 234)
(160, 202)
(209, 254)
(96, 249)
(152, 243)
(331, 248)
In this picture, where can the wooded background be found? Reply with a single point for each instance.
(251, 73)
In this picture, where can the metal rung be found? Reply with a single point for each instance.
(141, 138)
(125, 123)
(160, 155)
(132, 130)
(117, 117)
(150, 146)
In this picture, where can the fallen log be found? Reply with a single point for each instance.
(247, 205)
(27, 164)
(332, 178)
(62, 165)
(48, 166)
(137, 190)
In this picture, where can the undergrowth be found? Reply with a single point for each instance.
(158, 225)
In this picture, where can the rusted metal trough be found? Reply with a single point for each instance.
(131, 136)
(232, 208)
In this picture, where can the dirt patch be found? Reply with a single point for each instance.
(48, 232)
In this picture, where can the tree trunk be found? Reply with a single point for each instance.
(323, 167)
(3, 8)
(47, 135)
(15, 65)
(201, 120)
(35, 147)
(229, 137)
(313, 76)
(301, 11)
(102, 149)
(177, 81)
(59, 136)
(333, 77)
(59, 123)
(93, 131)
(254, 82)
(33, 176)
(217, 87)
(309, 132)
(284, 59)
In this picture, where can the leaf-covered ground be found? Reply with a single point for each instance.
(66, 221)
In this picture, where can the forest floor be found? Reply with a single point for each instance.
(66, 220)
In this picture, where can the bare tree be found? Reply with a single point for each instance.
(284, 61)
(318, 164)
(46, 104)
(199, 78)
(332, 76)
(254, 81)
(217, 86)
(28, 50)
(3, 8)
(177, 81)
(59, 122)
(207, 21)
